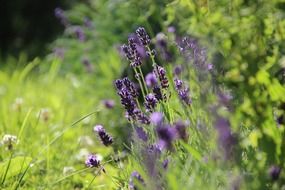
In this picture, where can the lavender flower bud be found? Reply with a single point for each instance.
(141, 133)
(182, 91)
(143, 36)
(87, 65)
(79, 34)
(181, 130)
(162, 77)
(127, 101)
(157, 93)
(166, 135)
(135, 176)
(171, 29)
(150, 102)
(141, 117)
(177, 70)
(130, 87)
(59, 52)
(119, 84)
(109, 104)
(87, 22)
(274, 172)
(210, 67)
(156, 118)
(59, 13)
(225, 137)
(165, 163)
(150, 79)
(92, 161)
(178, 84)
(132, 53)
(105, 137)
(127, 52)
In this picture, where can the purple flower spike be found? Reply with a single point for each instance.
(165, 163)
(274, 172)
(162, 77)
(59, 52)
(87, 22)
(141, 117)
(92, 161)
(166, 135)
(150, 102)
(171, 29)
(59, 13)
(143, 36)
(157, 93)
(87, 64)
(135, 175)
(104, 136)
(156, 118)
(178, 84)
(79, 34)
(119, 84)
(141, 134)
(182, 91)
(130, 87)
(109, 104)
(177, 70)
(210, 66)
(225, 137)
(132, 53)
(150, 80)
(181, 130)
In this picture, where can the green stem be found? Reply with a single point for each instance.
(154, 65)
(144, 83)
(138, 78)
(138, 104)
(7, 169)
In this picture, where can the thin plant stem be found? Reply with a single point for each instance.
(138, 103)
(7, 169)
(72, 174)
(97, 173)
(144, 83)
(140, 83)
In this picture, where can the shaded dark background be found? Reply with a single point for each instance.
(28, 26)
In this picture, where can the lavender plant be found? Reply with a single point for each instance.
(163, 136)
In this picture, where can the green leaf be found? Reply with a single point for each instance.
(192, 151)
(18, 165)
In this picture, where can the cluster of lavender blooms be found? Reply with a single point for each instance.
(162, 45)
(168, 133)
(93, 160)
(152, 79)
(59, 13)
(79, 32)
(106, 139)
(152, 154)
(157, 80)
(182, 91)
(128, 93)
(192, 51)
(135, 177)
(132, 53)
